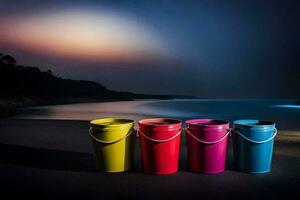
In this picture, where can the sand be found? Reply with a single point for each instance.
(52, 159)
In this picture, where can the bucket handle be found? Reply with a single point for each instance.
(205, 142)
(254, 141)
(154, 140)
(110, 142)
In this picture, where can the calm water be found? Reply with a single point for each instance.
(280, 111)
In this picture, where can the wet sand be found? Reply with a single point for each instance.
(52, 159)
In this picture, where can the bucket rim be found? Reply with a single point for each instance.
(149, 122)
(119, 122)
(254, 123)
(202, 122)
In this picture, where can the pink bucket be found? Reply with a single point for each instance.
(207, 141)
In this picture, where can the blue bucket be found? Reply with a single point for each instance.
(253, 145)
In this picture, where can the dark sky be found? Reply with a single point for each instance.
(204, 48)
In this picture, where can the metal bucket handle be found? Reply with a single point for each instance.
(154, 140)
(205, 142)
(254, 141)
(110, 142)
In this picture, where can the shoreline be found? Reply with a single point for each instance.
(9, 107)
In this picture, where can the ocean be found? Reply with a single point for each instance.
(283, 112)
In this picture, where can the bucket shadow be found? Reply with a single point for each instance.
(46, 159)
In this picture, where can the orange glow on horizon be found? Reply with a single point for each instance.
(86, 35)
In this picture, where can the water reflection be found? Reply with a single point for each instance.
(288, 106)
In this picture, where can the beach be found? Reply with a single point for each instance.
(46, 153)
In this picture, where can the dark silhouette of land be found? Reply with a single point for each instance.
(28, 86)
(26, 81)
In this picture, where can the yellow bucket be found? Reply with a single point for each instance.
(113, 142)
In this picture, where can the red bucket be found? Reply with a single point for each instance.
(160, 145)
(207, 141)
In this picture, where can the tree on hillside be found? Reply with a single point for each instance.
(49, 71)
(8, 60)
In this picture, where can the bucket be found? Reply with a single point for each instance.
(113, 143)
(253, 145)
(160, 145)
(207, 141)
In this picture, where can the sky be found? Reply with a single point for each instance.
(209, 49)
